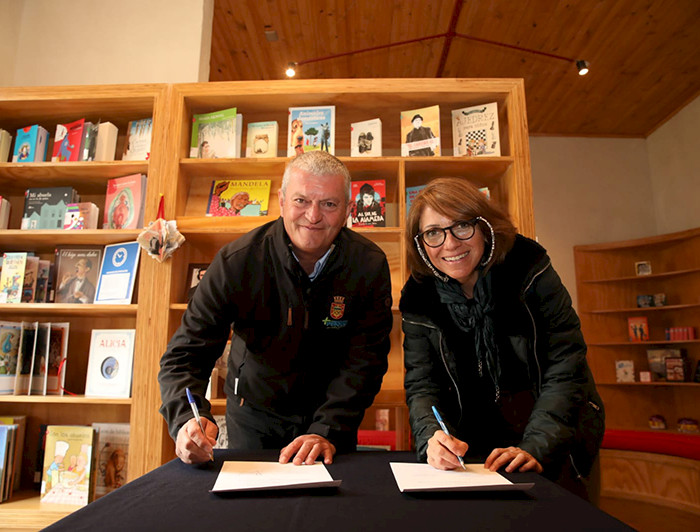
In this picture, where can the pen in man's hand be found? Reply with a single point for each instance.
(444, 429)
(195, 410)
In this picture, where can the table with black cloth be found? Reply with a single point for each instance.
(176, 496)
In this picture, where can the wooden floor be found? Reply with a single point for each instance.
(647, 517)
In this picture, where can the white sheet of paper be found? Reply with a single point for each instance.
(424, 477)
(252, 476)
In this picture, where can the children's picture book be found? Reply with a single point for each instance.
(369, 209)
(624, 370)
(262, 139)
(124, 202)
(112, 457)
(246, 197)
(366, 138)
(195, 273)
(12, 277)
(68, 463)
(41, 358)
(420, 132)
(106, 142)
(138, 140)
(115, 285)
(218, 134)
(5, 208)
(10, 335)
(77, 271)
(68, 141)
(25, 357)
(58, 355)
(21, 422)
(45, 208)
(311, 128)
(82, 215)
(5, 145)
(110, 363)
(475, 131)
(31, 144)
(31, 274)
(638, 329)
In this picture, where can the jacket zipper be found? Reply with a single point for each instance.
(534, 327)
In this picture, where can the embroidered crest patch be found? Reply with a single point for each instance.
(338, 307)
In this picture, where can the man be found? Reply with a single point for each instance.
(77, 288)
(310, 306)
(419, 133)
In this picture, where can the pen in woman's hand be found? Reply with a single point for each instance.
(195, 410)
(444, 429)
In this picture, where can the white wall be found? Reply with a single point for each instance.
(589, 190)
(10, 11)
(76, 42)
(674, 164)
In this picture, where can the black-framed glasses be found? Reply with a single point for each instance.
(435, 236)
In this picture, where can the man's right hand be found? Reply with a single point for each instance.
(443, 451)
(193, 447)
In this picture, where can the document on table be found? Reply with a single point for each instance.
(254, 476)
(423, 477)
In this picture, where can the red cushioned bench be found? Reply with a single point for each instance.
(661, 442)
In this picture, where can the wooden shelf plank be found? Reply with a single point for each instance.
(25, 511)
(633, 344)
(64, 400)
(646, 384)
(67, 309)
(33, 240)
(642, 277)
(642, 309)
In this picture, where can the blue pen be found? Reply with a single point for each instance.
(444, 429)
(195, 410)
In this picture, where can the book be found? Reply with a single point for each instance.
(5, 145)
(58, 355)
(42, 281)
(218, 134)
(10, 335)
(31, 144)
(40, 452)
(45, 208)
(195, 272)
(111, 457)
(677, 369)
(7, 438)
(83, 215)
(248, 197)
(77, 271)
(5, 208)
(638, 329)
(311, 128)
(68, 464)
(411, 193)
(420, 132)
(106, 144)
(115, 284)
(366, 138)
(68, 141)
(262, 139)
(124, 202)
(21, 422)
(88, 144)
(31, 273)
(369, 208)
(222, 438)
(12, 277)
(110, 363)
(475, 131)
(41, 358)
(624, 370)
(656, 359)
(138, 140)
(25, 357)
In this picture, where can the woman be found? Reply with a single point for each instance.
(491, 341)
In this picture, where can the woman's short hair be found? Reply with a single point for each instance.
(457, 199)
(319, 163)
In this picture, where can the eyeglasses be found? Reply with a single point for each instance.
(435, 236)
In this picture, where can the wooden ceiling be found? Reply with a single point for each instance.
(644, 55)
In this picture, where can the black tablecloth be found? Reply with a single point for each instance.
(176, 497)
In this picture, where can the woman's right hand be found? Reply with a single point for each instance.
(443, 451)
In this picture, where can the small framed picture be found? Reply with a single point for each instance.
(660, 299)
(645, 300)
(195, 272)
(642, 267)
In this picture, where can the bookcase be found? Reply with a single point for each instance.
(185, 184)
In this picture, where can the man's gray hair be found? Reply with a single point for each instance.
(319, 163)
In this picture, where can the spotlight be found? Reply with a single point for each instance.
(291, 71)
(582, 67)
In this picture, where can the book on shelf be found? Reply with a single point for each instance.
(31, 144)
(638, 329)
(677, 369)
(7, 453)
(37, 384)
(624, 371)
(77, 271)
(68, 465)
(124, 202)
(45, 208)
(656, 359)
(58, 356)
(72, 141)
(369, 209)
(12, 276)
(217, 135)
(5, 145)
(366, 138)
(195, 272)
(25, 357)
(411, 193)
(31, 273)
(262, 138)
(138, 140)
(21, 422)
(106, 143)
(42, 281)
(5, 208)
(110, 363)
(83, 215)
(311, 128)
(245, 197)
(420, 132)
(475, 131)
(111, 457)
(115, 284)
(39, 460)
(10, 336)
(222, 438)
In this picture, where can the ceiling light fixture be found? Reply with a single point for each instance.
(582, 67)
(291, 70)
